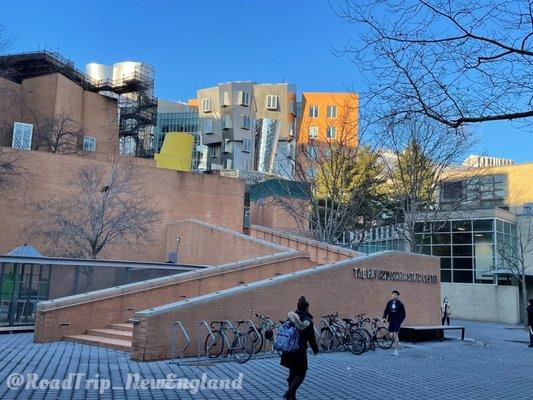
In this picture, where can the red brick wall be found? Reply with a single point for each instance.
(319, 252)
(118, 308)
(179, 195)
(328, 289)
(206, 244)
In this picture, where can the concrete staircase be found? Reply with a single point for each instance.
(115, 336)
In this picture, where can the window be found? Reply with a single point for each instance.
(22, 134)
(214, 151)
(89, 143)
(312, 152)
(226, 99)
(272, 102)
(206, 105)
(292, 107)
(313, 111)
(227, 146)
(332, 111)
(208, 126)
(226, 121)
(313, 132)
(244, 99)
(246, 145)
(331, 132)
(246, 122)
(311, 173)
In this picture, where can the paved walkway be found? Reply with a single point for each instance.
(498, 365)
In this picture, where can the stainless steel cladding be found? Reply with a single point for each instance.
(132, 70)
(98, 72)
(266, 142)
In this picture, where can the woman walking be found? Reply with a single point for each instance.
(446, 311)
(296, 361)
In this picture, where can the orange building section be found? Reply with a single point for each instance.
(329, 116)
(192, 102)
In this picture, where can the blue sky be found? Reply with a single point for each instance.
(194, 44)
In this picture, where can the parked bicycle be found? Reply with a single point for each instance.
(371, 331)
(336, 333)
(267, 331)
(241, 346)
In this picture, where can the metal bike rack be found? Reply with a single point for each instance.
(209, 332)
(176, 328)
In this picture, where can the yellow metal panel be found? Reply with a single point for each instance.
(176, 152)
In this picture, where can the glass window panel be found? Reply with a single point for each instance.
(445, 263)
(441, 226)
(441, 238)
(420, 227)
(483, 225)
(445, 275)
(507, 228)
(462, 276)
(462, 238)
(461, 226)
(484, 263)
(464, 251)
(513, 230)
(426, 250)
(500, 178)
(426, 239)
(462, 263)
(487, 180)
(441, 251)
(481, 250)
(483, 238)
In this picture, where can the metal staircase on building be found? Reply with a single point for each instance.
(115, 336)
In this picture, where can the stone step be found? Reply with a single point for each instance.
(111, 333)
(100, 341)
(122, 327)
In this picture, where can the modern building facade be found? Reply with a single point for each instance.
(324, 121)
(485, 215)
(249, 126)
(43, 98)
(180, 117)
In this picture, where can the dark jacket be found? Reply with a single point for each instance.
(297, 360)
(530, 315)
(397, 316)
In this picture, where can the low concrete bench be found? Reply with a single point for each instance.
(414, 333)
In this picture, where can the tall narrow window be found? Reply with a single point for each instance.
(332, 111)
(272, 102)
(313, 111)
(313, 132)
(331, 132)
(22, 135)
(226, 99)
(246, 145)
(89, 143)
(208, 126)
(246, 122)
(226, 121)
(244, 98)
(206, 105)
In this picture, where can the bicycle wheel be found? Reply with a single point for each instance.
(383, 338)
(258, 340)
(358, 345)
(366, 336)
(214, 346)
(242, 347)
(326, 339)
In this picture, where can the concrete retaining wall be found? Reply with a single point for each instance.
(479, 302)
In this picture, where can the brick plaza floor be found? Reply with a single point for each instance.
(497, 364)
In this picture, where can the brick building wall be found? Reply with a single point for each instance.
(179, 195)
(329, 288)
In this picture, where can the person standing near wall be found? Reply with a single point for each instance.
(296, 361)
(530, 321)
(446, 311)
(395, 314)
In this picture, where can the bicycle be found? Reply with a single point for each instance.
(241, 348)
(266, 329)
(337, 333)
(372, 333)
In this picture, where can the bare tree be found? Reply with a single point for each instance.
(9, 167)
(58, 134)
(514, 252)
(341, 179)
(458, 62)
(104, 206)
(420, 156)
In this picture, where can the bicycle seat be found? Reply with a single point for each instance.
(349, 320)
(241, 322)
